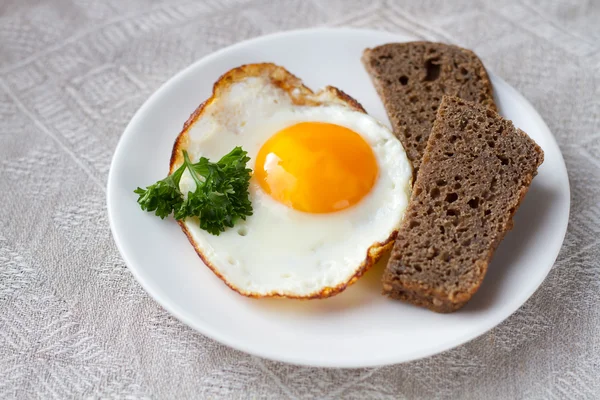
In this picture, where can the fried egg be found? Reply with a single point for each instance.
(329, 188)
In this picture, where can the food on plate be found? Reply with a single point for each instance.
(411, 79)
(220, 196)
(475, 171)
(328, 189)
(315, 190)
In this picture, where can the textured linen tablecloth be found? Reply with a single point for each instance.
(73, 321)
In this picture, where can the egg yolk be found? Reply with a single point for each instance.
(316, 167)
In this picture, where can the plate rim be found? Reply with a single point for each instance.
(183, 316)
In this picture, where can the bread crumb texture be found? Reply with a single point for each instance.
(475, 171)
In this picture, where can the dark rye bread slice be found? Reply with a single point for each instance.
(475, 172)
(411, 79)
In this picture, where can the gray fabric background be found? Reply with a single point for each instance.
(73, 321)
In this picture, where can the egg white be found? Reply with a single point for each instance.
(278, 250)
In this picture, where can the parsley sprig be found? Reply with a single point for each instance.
(221, 197)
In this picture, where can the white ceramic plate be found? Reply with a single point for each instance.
(359, 327)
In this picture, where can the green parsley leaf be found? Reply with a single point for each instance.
(220, 199)
(164, 196)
